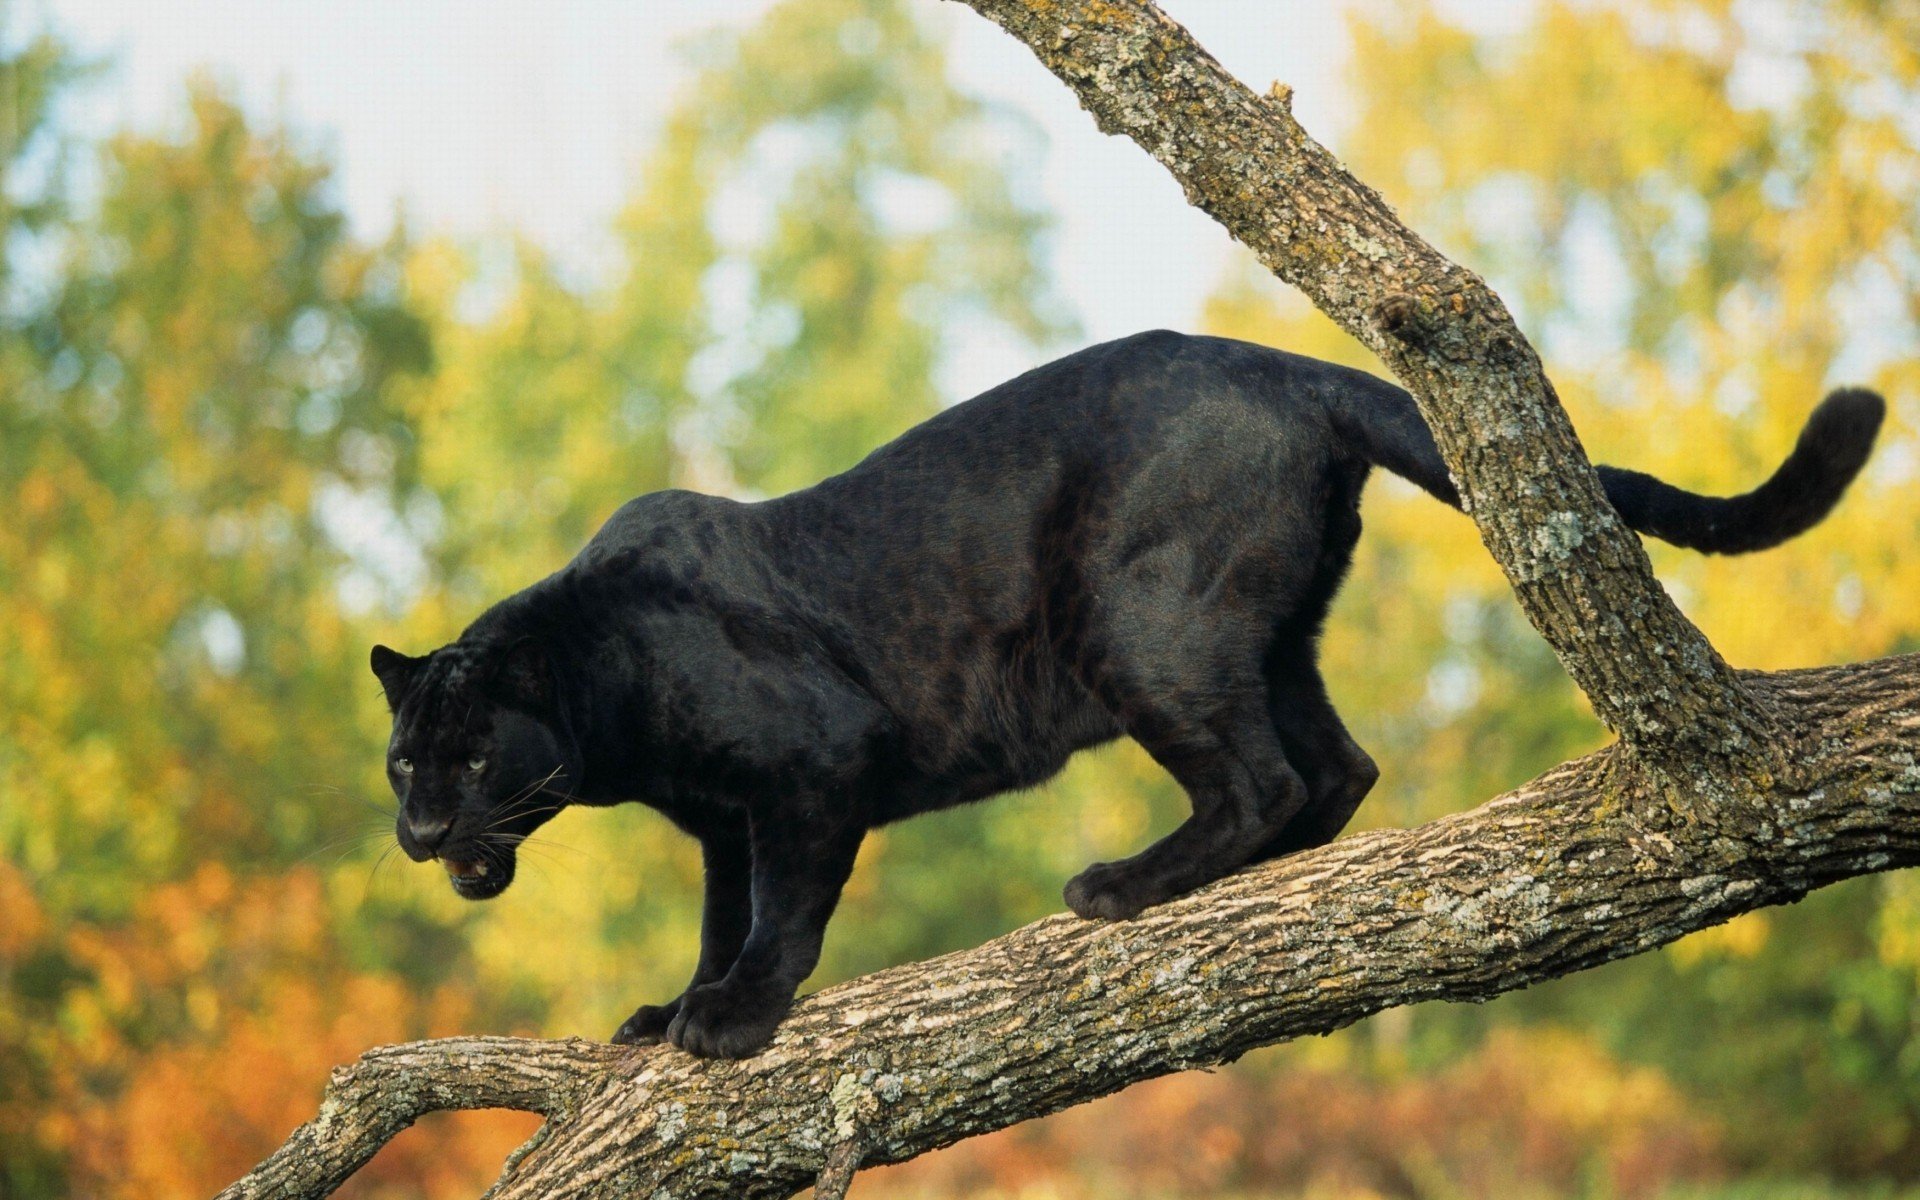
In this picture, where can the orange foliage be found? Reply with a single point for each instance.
(246, 980)
(1531, 1113)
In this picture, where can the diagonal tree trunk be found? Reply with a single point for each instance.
(1727, 792)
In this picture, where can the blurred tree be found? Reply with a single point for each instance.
(32, 208)
(199, 398)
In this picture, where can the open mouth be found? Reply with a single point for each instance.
(477, 878)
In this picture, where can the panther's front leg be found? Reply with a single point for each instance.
(725, 918)
(801, 860)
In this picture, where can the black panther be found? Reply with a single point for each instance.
(1141, 538)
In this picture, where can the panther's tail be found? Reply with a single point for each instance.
(1387, 429)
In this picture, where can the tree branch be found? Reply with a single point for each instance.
(1565, 873)
(389, 1088)
(1581, 575)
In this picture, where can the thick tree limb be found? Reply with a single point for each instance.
(1565, 873)
(1580, 573)
(1764, 786)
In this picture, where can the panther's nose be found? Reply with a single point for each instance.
(430, 832)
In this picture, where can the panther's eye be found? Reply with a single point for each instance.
(476, 763)
(403, 765)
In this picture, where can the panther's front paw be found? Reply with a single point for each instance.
(1110, 892)
(718, 1021)
(648, 1024)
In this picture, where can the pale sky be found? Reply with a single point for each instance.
(484, 115)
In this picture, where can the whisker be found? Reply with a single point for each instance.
(330, 843)
(538, 867)
(508, 804)
(550, 844)
(540, 857)
(585, 857)
(518, 797)
(350, 842)
(344, 855)
(367, 890)
(529, 812)
(348, 852)
(360, 829)
(358, 797)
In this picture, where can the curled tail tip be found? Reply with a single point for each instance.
(1857, 399)
(1850, 416)
(1837, 440)
(1833, 446)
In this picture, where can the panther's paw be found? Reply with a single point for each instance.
(648, 1024)
(719, 1021)
(1110, 892)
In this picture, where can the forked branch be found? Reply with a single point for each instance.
(391, 1087)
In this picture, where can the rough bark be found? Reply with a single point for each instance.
(1567, 872)
(1727, 793)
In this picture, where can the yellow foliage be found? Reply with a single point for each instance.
(1743, 937)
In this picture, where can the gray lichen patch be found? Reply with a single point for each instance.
(1555, 540)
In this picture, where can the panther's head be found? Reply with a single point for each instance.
(478, 757)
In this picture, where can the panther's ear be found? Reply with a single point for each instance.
(525, 677)
(396, 672)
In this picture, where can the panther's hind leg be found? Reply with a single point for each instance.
(1243, 790)
(1172, 633)
(1338, 773)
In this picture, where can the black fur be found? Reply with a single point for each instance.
(1831, 450)
(1140, 538)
